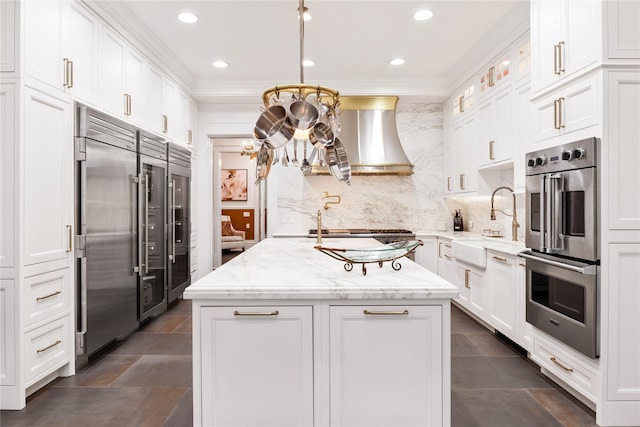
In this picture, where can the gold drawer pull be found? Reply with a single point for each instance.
(446, 245)
(268, 313)
(467, 283)
(447, 256)
(49, 296)
(387, 313)
(563, 366)
(500, 259)
(522, 264)
(42, 350)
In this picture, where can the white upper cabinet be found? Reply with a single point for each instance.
(153, 98)
(565, 39)
(60, 46)
(8, 35)
(112, 69)
(464, 160)
(495, 130)
(8, 172)
(496, 74)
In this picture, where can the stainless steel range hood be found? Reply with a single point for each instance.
(368, 132)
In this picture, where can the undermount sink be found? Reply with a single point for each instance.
(467, 252)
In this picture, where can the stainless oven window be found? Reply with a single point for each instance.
(573, 223)
(559, 295)
(535, 211)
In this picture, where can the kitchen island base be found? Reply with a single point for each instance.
(322, 362)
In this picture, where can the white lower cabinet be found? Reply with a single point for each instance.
(524, 330)
(324, 363)
(445, 260)
(8, 330)
(474, 289)
(502, 277)
(427, 254)
(259, 366)
(386, 366)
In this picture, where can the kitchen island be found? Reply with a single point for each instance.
(283, 335)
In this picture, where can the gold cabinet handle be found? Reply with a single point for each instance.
(70, 68)
(466, 279)
(500, 259)
(556, 108)
(49, 296)
(448, 183)
(257, 313)
(560, 57)
(42, 350)
(386, 313)
(440, 250)
(461, 103)
(462, 181)
(446, 245)
(65, 70)
(522, 264)
(556, 59)
(447, 256)
(165, 123)
(561, 113)
(491, 155)
(70, 238)
(562, 365)
(189, 137)
(491, 70)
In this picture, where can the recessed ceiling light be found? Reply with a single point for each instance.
(188, 17)
(308, 62)
(423, 15)
(220, 64)
(396, 61)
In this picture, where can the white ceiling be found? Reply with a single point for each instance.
(351, 42)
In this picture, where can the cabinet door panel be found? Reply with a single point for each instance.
(503, 293)
(546, 32)
(386, 369)
(111, 72)
(8, 329)
(80, 47)
(8, 194)
(48, 175)
(582, 35)
(274, 354)
(8, 39)
(43, 41)
(135, 84)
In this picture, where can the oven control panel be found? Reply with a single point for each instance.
(576, 155)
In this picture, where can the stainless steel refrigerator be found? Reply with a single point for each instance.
(152, 221)
(179, 259)
(106, 246)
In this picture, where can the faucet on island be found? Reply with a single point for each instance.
(514, 223)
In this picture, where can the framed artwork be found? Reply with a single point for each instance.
(234, 185)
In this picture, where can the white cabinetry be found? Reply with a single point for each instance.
(566, 39)
(8, 173)
(522, 118)
(332, 363)
(474, 288)
(427, 254)
(568, 110)
(8, 330)
(524, 330)
(445, 260)
(464, 157)
(272, 348)
(495, 118)
(501, 272)
(385, 359)
(8, 51)
(61, 46)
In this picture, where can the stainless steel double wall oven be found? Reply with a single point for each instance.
(562, 233)
(132, 213)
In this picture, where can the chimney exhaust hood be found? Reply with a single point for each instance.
(368, 132)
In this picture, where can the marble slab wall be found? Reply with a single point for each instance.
(413, 202)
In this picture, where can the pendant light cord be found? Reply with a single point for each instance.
(301, 18)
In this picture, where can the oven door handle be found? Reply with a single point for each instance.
(556, 187)
(587, 270)
(543, 214)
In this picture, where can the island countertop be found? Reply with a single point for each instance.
(290, 268)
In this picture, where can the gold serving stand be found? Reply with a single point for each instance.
(389, 252)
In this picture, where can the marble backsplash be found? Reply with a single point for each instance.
(414, 202)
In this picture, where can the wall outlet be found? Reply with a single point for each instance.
(247, 226)
(246, 214)
(470, 224)
(415, 219)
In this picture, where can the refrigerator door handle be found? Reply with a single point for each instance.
(146, 223)
(140, 268)
(82, 315)
(172, 256)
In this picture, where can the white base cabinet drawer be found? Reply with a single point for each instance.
(47, 295)
(47, 349)
(567, 367)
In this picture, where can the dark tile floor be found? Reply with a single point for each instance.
(146, 381)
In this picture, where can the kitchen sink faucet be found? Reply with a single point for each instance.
(514, 223)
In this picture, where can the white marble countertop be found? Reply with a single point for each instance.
(290, 268)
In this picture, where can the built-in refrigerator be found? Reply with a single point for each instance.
(179, 184)
(152, 220)
(107, 223)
